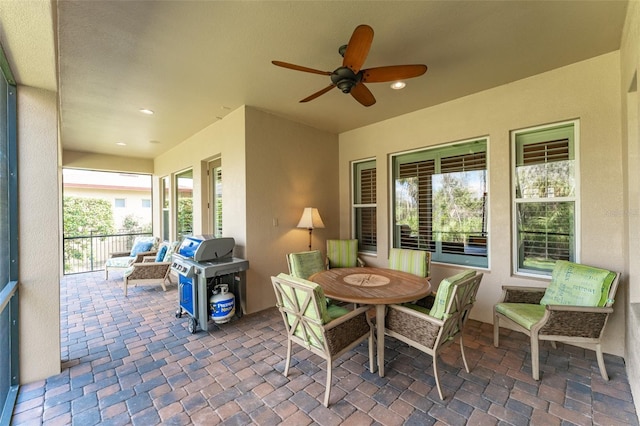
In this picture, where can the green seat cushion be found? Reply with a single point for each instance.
(578, 285)
(342, 253)
(445, 290)
(525, 314)
(411, 261)
(418, 308)
(305, 264)
(335, 311)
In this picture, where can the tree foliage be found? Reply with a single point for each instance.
(86, 215)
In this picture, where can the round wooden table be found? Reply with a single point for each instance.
(372, 286)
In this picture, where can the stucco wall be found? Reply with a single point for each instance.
(290, 166)
(629, 64)
(39, 216)
(588, 91)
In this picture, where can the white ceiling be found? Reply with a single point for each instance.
(194, 62)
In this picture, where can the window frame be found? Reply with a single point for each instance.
(538, 134)
(356, 188)
(436, 153)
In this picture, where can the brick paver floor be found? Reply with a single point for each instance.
(128, 360)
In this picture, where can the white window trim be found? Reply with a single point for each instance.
(576, 198)
(352, 167)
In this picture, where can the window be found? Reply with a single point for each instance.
(120, 202)
(364, 205)
(184, 199)
(166, 198)
(545, 197)
(440, 202)
(146, 204)
(216, 176)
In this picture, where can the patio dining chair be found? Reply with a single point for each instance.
(327, 331)
(343, 254)
(574, 308)
(430, 331)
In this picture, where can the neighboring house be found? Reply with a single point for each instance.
(128, 194)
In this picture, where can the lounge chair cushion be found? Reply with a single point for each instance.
(445, 291)
(142, 244)
(162, 251)
(578, 285)
(525, 314)
(170, 250)
(120, 262)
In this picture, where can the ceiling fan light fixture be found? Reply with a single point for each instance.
(146, 111)
(397, 85)
(121, 144)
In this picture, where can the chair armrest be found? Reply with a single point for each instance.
(515, 294)
(140, 256)
(573, 321)
(148, 259)
(360, 262)
(145, 270)
(346, 317)
(120, 254)
(417, 314)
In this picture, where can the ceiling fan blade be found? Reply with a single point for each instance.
(299, 68)
(318, 93)
(358, 48)
(391, 73)
(362, 94)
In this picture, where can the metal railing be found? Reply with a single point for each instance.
(88, 253)
(9, 301)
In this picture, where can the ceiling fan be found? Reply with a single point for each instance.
(350, 78)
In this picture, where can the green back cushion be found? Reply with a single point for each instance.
(445, 291)
(305, 264)
(411, 261)
(342, 253)
(525, 314)
(317, 309)
(578, 285)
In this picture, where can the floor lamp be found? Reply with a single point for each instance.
(310, 219)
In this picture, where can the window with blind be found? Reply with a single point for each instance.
(440, 202)
(545, 197)
(217, 201)
(364, 205)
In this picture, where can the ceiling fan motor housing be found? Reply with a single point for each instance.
(344, 78)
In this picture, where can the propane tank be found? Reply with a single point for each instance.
(222, 304)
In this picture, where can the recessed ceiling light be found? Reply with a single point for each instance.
(121, 143)
(146, 111)
(398, 85)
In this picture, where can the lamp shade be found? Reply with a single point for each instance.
(310, 219)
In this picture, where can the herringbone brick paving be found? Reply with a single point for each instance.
(130, 361)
